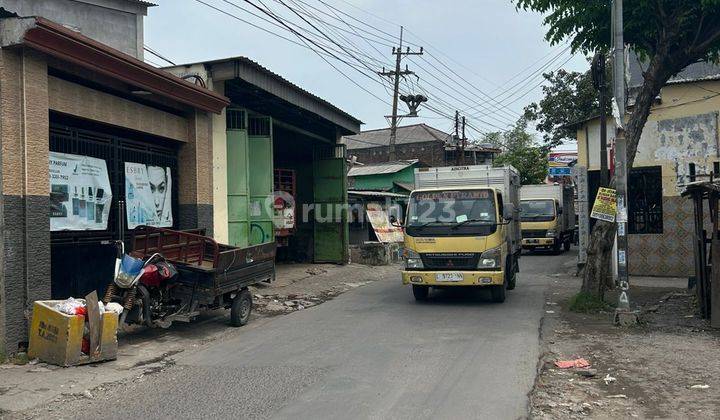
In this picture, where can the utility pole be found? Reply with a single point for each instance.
(623, 314)
(397, 74)
(457, 138)
(598, 75)
(464, 139)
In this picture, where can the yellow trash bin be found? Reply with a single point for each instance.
(56, 337)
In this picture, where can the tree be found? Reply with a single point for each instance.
(569, 97)
(668, 34)
(519, 150)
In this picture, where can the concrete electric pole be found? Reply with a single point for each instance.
(396, 75)
(623, 315)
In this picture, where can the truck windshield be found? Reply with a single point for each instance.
(452, 212)
(537, 210)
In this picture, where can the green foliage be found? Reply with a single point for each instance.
(519, 150)
(587, 303)
(650, 26)
(569, 97)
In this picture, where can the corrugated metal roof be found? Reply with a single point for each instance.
(267, 72)
(694, 72)
(417, 133)
(376, 194)
(381, 168)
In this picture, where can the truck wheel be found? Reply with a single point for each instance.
(241, 308)
(511, 276)
(566, 245)
(420, 292)
(557, 247)
(498, 293)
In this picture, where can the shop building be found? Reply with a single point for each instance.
(64, 95)
(277, 156)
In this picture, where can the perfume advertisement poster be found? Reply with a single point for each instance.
(80, 194)
(148, 195)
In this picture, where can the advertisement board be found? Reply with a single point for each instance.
(381, 224)
(80, 194)
(148, 195)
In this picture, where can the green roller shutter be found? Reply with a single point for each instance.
(261, 181)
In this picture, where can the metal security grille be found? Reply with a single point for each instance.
(645, 211)
(115, 150)
(258, 126)
(235, 119)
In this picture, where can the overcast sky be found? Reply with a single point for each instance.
(486, 42)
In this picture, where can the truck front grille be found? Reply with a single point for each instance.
(534, 233)
(450, 261)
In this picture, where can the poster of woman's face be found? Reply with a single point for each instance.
(148, 192)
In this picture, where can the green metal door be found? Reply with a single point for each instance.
(261, 180)
(238, 193)
(330, 194)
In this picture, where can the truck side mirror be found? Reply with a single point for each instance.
(508, 211)
(560, 210)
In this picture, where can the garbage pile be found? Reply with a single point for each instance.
(78, 307)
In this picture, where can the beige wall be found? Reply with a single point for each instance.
(683, 128)
(80, 101)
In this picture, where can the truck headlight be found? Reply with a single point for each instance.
(412, 259)
(551, 233)
(490, 258)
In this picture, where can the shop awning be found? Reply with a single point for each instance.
(58, 41)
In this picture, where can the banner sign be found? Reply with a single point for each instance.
(381, 224)
(605, 206)
(80, 194)
(148, 195)
(559, 163)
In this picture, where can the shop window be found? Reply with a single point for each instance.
(645, 213)
(235, 119)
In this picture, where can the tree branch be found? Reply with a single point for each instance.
(700, 50)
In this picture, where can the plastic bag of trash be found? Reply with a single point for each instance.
(71, 306)
(114, 307)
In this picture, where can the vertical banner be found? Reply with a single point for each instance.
(80, 194)
(583, 212)
(148, 195)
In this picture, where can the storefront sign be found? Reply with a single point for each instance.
(80, 194)
(381, 224)
(559, 163)
(605, 206)
(148, 195)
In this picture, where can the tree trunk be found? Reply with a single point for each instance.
(597, 277)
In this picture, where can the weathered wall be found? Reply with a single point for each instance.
(116, 23)
(220, 187)
(682, 129)
(24, 125)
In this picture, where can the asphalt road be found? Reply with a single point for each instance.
(370, 353)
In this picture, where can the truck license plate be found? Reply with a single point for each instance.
(449, 277)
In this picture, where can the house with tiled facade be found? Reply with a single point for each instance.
(679, 144)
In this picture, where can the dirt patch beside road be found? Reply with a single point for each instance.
(666, 367)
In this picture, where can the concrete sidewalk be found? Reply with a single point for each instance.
(147, 351)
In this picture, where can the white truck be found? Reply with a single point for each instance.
(463, 229)
(547, 212)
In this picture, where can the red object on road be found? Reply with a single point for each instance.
(567, 364)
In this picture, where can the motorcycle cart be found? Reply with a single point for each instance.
(211, 275)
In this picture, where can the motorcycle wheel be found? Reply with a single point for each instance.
(241, 308)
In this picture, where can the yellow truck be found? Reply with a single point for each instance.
(463, 230)
(547, 215)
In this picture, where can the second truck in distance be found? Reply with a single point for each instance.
(547, 213)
